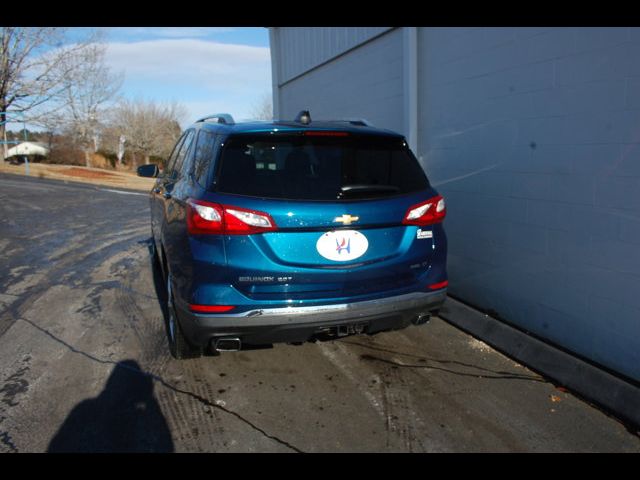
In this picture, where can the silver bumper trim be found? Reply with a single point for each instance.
(325, 313)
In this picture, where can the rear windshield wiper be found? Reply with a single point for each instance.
(361, 190)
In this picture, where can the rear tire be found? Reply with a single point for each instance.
(179, 346)
(154, 251)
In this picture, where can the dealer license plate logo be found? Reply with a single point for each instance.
(342, 245)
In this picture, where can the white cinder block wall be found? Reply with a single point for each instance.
(533, 136)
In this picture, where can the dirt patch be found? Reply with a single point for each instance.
(80, 172)
(93, 176)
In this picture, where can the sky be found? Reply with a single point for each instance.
(206, 69)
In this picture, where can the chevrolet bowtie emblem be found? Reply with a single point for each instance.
(346, 219)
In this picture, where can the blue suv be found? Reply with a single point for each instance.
(291, 231)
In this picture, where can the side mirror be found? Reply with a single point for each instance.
(150, 170)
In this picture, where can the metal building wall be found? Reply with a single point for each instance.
(304, 48)
(364, 83)
(533, 136)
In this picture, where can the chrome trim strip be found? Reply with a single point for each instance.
(344, 311)
(381, 303)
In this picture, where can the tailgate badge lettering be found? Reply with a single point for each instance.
(267, 279)
(424, 234)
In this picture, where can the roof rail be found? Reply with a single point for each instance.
(222, 118)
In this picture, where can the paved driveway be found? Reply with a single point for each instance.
(84, 364)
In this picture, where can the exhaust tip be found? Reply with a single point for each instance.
(232, 344)
(422, 319)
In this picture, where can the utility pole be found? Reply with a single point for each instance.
(26, 157)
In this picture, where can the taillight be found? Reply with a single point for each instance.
(426, 213)
(214, 218)
(239, 220)
(204, 217)
(439, 285)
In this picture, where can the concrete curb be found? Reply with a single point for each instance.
(615, 395)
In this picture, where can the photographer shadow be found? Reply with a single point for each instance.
(125, 417)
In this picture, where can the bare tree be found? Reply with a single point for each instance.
(263, 108)
(150, 128)
(91, 85)
(32, 69)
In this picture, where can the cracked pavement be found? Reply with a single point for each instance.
(84, 364)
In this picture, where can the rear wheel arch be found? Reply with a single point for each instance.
(179, 345)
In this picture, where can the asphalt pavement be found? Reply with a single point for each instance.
(84, 364)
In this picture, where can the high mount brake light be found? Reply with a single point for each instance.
(214, 218)
(426, 213)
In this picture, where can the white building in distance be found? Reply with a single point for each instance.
(28, 149)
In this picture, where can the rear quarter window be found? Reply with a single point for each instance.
(177, 169)
(204, 156)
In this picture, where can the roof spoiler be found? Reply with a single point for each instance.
(358, 122)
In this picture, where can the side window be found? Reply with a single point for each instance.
(187, 164)
(182, 154)
(205, 150)
(174, 154)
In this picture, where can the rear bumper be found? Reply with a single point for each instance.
(298, 324)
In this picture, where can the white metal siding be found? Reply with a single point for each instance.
(532, 135)
(303, 48)
(365, 83)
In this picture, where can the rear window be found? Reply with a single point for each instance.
(303, 167)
